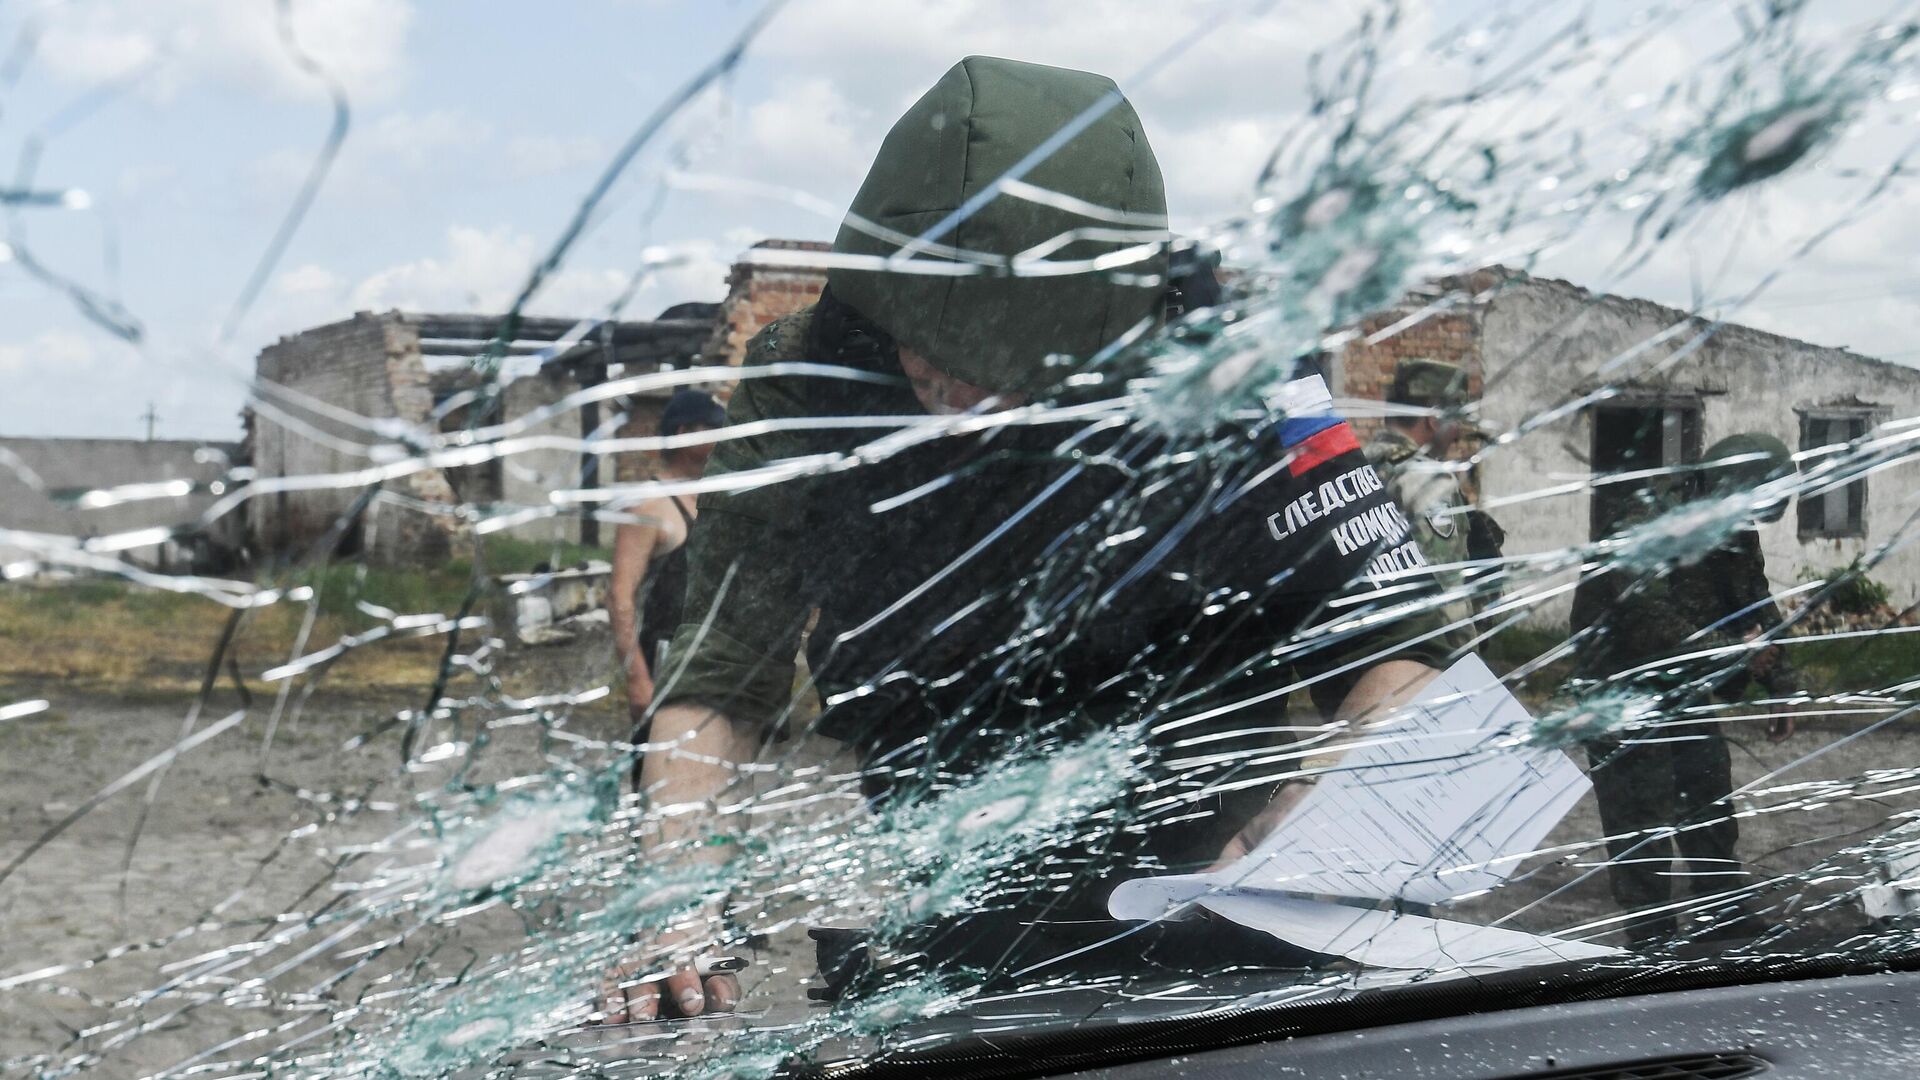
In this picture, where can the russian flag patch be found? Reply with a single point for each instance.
(1321, 447)
(1310, 432)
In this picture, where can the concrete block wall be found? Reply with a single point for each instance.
(528, 477)
(368, 366)
(1546, 341)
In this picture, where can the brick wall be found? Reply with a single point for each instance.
(530, 474)
(757, 295)
(401, 534)
(368, 366)
(1366, 371)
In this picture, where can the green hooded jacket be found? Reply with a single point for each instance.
(990, 121)
(968, 583)
(1717, 601)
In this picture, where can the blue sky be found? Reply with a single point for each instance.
(478, 126)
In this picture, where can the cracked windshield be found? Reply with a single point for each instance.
(963, 538)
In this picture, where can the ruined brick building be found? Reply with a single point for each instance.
(1535, 350)
(339, 408)
(1529, 344)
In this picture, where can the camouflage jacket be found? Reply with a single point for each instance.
(976, 584)
(1716, 601)
(1430, 497)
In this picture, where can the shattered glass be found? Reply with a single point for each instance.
(1110, 701)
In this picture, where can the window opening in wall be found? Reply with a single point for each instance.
(478, 484)
(1836, 512)
(1637, 438)
(353, 537)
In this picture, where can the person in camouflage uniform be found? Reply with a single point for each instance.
(964, 594)
(1679, 774)
(1408, 451)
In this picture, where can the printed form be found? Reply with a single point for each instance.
(1441, 801)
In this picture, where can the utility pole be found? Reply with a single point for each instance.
(149, 416)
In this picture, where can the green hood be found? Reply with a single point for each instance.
(1764, 458)
(979, 121)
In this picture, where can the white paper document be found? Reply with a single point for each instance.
(1441, 802)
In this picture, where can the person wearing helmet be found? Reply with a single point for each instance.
(976, 590)
(1409, 451)
(1677, 775)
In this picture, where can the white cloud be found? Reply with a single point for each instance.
(1213, 113)
(441, 143)
(542, 155)
(308, 279)
(175, 43)
(481, 270)
(145, 179)
(922, 38)
(809, 136)
(1845, 290)
(1239, 64)
(802, 137)
(807, 116)
(415, 140)
(98, 50)
(54, 352)
(277, 173)
(701, 275)
(1210, 169)
(76, 380)
(484, 269)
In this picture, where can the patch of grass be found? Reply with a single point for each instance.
(442, 588)
(340, 586)
(80, 594)
(514, 555)
(1857, 664)
(108, 636)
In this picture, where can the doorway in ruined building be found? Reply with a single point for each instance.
(1636, 443)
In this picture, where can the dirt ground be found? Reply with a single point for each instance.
(237, 829)
(214, 844)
